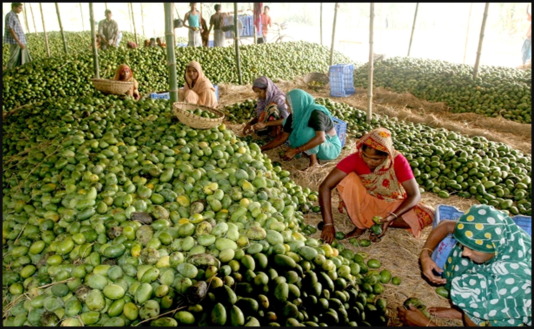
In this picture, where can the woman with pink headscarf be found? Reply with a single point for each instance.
(271, 108)
(198, 89)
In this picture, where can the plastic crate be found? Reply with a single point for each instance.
(164, 95)
(444, 212)
(341, 129)
(341, 79)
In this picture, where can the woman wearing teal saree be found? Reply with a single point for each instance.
(309, 129)
(488, 272)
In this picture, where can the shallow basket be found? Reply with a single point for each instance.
(183, 112)
(112, 86)
(316, 77)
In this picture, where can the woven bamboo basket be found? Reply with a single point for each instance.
(316, 80)
(183, 112)
(112, 86)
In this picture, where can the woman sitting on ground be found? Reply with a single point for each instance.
(198, 88)
(271, 109)
(309, 128)
(488, 272)
(377, 180)
(125, 73)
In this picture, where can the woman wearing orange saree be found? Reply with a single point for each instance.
(198, 88)
(125, 73)
(376, 180)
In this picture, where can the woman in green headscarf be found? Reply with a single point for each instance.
(488, 272)
(309, 128)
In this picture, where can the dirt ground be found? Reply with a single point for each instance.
(398, 250)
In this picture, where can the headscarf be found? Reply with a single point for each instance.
(203, 86)
(272, 95)
(382, 182)
(302, 105)
(119, 71)
(498, 291)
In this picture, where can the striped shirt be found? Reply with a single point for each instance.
(13, 22)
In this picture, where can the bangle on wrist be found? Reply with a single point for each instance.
(328, 224)
(394, 214)
(430, 250)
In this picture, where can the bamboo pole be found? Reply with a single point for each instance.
(61, 28)
(93, 40)
(467, 32)
(371, 64)
(44, 30)
(171, 58)
(130, 16)
(81, 15)
(236, 43)
(133, 21)
(333, 34)
(413, 28)
(142, 20)
(321, 23)
(254, 18)
(26, 21)
(479, 51)
(33, 17)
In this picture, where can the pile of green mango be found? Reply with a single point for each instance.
(77, 43)
(496, 91)
(116, 214)
(34, 82)
(444, 162)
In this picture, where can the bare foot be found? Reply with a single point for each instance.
(374, 238)
(313, 160)
(354, 233)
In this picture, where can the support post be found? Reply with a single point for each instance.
(171, 57)
(81, 15)
(26, 20)
(467, 32)
(371, 64)
(413, 28)
(142, 20)
(93, 40)
(33, 17)
(333, 34)
(44, 30)
(236, 43)
(133, 22)
(61, 28)
(481, 39)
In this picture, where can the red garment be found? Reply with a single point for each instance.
(355, 163)
(265, 22)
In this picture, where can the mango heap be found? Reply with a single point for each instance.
(117, 214)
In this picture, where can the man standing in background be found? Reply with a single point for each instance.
(109, 31)
(265, 23)
(14, 36)
(216, 22)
